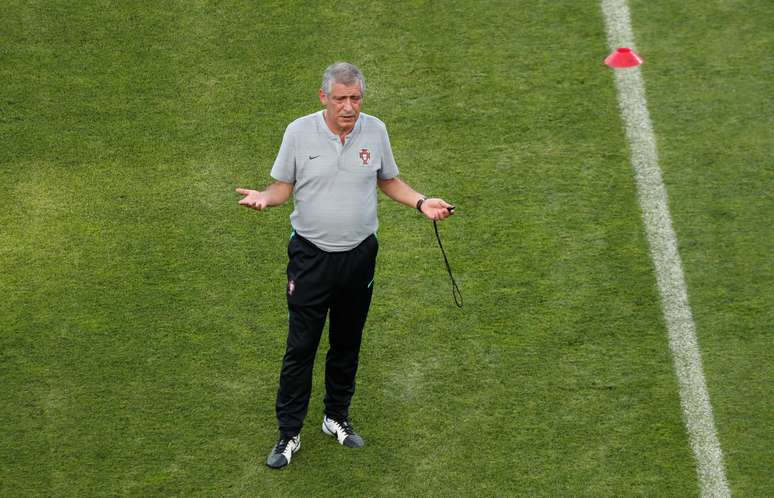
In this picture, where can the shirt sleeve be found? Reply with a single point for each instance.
(284, 168)
(388, 169)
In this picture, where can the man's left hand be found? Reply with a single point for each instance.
(436, 209)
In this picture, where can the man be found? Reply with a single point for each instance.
(331, 161)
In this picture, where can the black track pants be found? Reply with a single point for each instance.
(318, 282)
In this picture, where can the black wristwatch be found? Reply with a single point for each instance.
(420, 202)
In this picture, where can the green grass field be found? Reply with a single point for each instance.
(143, 321)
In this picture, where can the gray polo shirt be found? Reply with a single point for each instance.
(334, 185)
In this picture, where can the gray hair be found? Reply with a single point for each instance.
(344, 73)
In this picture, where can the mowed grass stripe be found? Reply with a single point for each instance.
(694, 397)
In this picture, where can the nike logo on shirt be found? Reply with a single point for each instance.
(314, 157)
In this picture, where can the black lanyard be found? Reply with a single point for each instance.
(455, 288)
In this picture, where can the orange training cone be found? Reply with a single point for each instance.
(623, 57)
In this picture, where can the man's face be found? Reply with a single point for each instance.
(342, 106)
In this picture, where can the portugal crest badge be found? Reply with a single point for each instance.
(365, 156)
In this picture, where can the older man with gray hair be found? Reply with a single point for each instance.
(331, 162)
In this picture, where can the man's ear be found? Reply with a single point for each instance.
(323, 97)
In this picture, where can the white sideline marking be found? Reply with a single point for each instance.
(697, 411)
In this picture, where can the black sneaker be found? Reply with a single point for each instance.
(283, 451)
(343, 431)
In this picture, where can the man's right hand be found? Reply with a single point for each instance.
(253, 199)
